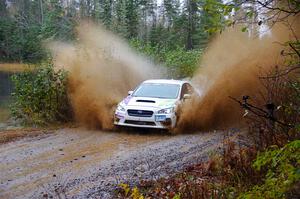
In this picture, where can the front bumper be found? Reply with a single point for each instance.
(123, 119)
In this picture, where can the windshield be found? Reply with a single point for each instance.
(168, 91)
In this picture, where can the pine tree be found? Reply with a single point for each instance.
(191, 9)
(119, 22)
(106, 14)
(132, 17)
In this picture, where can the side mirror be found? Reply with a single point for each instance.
(130, 92)
(187, 96)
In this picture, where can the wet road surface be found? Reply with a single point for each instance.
(89, 164)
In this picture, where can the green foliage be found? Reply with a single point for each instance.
(131, 17)
(177, 196)
(56, 25)
(40, 95)
(182, 63)
(19, 42)
(215, 11)
(283, 171)
(23, 30)
(179, 62)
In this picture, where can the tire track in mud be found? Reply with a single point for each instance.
(90, 164)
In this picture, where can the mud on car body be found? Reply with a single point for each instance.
(153, 104)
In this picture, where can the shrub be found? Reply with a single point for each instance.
(179, 62)
(40, 95)
(283, 171)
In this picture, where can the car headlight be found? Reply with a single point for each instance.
(166, 110)
(120, 108)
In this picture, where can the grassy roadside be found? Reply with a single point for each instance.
(12, 67)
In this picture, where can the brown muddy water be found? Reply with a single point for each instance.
(91, 164)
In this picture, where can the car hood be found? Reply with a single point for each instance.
(148, 102)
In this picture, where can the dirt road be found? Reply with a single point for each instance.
(89, 164)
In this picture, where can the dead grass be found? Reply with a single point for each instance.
(15, 134)
(12, 135)
(12, 67)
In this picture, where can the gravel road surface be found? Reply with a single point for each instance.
(89, 164)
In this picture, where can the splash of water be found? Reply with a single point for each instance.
(102, 68)
(230, 67)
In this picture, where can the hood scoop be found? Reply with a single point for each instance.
(146, 101)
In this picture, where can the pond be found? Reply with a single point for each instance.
(6, 86)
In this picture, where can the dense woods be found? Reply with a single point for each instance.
(157, 28)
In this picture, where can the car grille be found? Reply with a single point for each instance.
(139, 113)
(139, 122)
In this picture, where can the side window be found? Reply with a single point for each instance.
(186, 89)
(190, 89)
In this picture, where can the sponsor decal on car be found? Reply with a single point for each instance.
(127, 99)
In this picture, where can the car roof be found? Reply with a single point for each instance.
(166, 81)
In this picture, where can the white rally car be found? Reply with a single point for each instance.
(153, 104)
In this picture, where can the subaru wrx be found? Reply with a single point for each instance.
(153, 104)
